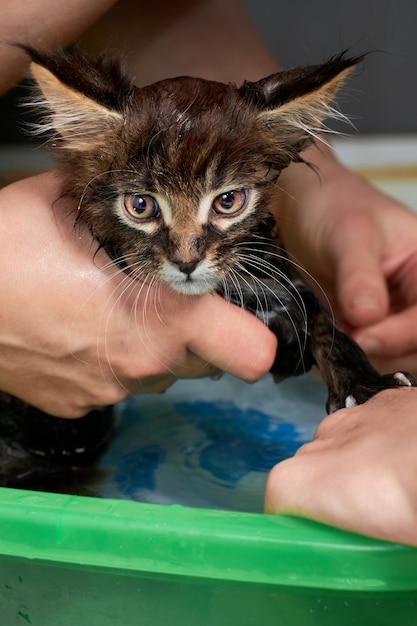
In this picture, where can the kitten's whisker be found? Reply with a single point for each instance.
(263, 286)
(271, 272)
(127, 284)
(158, 350)
(150, 287)
(146, 283)
(293, 295)
(116, 272)
(263, 312)
(234, 279)
(298, 266)
(120, 259)
(277, 276)
(122, 288)
(92, 180)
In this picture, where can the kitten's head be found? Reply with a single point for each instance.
(173, 179)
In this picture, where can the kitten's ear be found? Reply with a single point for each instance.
(82, 98)
(293, 104)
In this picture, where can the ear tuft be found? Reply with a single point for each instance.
(287, 85)
(82, 99)
(293, 104)
(70, 116)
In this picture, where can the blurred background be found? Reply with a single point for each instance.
(382, 96)
(209, 442)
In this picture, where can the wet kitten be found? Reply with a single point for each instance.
(175, 181)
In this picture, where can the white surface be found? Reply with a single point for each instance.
(377, 151)
(393, 152)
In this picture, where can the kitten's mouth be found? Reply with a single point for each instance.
(203, 279)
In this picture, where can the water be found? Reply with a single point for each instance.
(209, 444)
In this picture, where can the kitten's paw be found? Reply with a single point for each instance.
(350, 401)
(360, 390)
(404, 379)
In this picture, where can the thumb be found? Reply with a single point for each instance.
(232, 339)
(361, 288)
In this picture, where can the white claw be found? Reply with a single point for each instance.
(350, 402)
(402, 379)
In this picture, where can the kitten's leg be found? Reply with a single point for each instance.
(41, 452)
(307, 336)
(307, 327)
(345, 369)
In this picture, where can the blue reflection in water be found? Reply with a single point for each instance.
(239, 441)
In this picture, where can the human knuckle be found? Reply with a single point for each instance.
(323, 428)
(333, 422)
(70, 411)
(105, 394)
(259, 366)
(113, 394)
(279, 478)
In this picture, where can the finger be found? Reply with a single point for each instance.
(152, 384)
(403, 282)
(341, 420)
(232, 339)
(405, 363)
(340, 500)
(344, 488)
(361, 287)
(288, 487)
(393, 337)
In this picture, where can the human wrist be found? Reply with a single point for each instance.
(309, 183)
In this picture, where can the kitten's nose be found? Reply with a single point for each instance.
(187, 268)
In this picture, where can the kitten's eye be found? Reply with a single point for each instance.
(141, 207)
(230, 202)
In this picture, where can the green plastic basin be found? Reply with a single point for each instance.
(77, 561)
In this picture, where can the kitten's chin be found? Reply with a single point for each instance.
(201, 281)
(191, 289)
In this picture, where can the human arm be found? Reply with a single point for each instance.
(43, 24)
(358, 473)
(361, 247)
(69, 341)
(359, 244)
(75, 333)
(170, 36)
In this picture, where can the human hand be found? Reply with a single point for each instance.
(359, 471)
(77, 333)
(361, 247)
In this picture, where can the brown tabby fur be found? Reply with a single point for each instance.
(199, 161)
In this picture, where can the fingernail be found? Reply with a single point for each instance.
(217, 375)
(365, 309)
(369, 344)
(366, 301)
